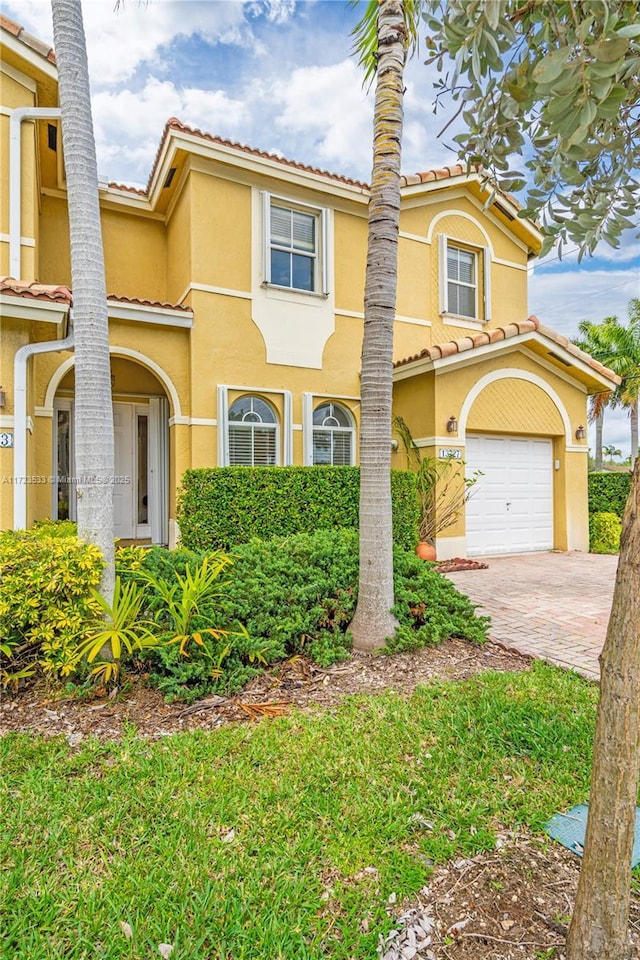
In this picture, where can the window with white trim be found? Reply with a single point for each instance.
(465, 280)
(294, 248)
(295, 237)
(333, 436)
(461, 282)
(253, 433)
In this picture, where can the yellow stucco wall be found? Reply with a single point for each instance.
(179, 246)
(350, 252)
(221, 232)
(135, 255)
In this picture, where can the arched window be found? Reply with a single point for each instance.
(333, 435)
(253, 433)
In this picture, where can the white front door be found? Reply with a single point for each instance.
(131, 487)
(511, 507)
(141, 468)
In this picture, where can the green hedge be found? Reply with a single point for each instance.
(608, 492)
(220, 507)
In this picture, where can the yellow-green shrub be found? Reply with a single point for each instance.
(45, 600)
(604, 533)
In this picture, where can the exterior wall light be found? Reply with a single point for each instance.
(3, 397)
(394, 446)
(580, 434)
(452, 424)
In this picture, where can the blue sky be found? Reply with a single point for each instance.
(278, 75)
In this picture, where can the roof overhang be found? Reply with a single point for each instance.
(33, 309)
(502, 206)
(142, 313)
(552, 355)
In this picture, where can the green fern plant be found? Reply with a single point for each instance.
(121, 630)
(183, 601)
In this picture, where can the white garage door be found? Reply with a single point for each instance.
(511, 508)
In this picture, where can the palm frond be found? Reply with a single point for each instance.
(365, 34)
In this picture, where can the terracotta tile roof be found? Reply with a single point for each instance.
(428, 176)
(35, 291)
(174, 124)
(128, 188)
(62, 294)
(495, 335)
(29, 41)
(157, 304)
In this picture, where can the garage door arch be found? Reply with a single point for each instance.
(513, 373)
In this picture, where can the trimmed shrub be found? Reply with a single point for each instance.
(302, 591)
(604, 533)
(46, 605)
(608, 492)
(220, 507)
(298, 595)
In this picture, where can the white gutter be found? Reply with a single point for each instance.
(20, 422)
(15, 178)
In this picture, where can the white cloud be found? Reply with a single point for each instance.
(327, 104)
(118, 42)
(128, 125)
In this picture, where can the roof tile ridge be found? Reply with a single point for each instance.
(146, 301)
(174, 123)
(28, 39)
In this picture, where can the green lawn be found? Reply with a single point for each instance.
(140, 831)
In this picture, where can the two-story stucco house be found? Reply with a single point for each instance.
(235, 284)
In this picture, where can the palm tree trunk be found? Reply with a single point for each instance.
(373, 621)
(599, 928)
(599, 426)
(633, 417)
(94, 448)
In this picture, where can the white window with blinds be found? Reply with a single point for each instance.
(333, 436)
(460, 271)
(253, 433)
(461, 282)
(295, 238)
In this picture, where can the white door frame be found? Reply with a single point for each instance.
(156, 410)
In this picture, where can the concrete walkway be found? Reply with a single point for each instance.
(554, 606)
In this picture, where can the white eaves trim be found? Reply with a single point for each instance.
(27, 53)
(164, 316)
(289, 174)
(20, 78)
(31, 309)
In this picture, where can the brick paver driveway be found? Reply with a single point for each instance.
(554, 606)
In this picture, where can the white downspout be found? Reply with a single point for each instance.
(20, 421)
(15, 179)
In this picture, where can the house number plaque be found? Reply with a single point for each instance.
(6, 439)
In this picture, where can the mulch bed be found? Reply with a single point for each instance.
(460, 564)
(297, 682)
(512, 903)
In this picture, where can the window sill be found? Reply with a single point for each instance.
(296, 291)
(455, 320)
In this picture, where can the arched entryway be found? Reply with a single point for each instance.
(141, 410)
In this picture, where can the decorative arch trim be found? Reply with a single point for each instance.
(511, 373)
(61, 371)
(465, 216)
